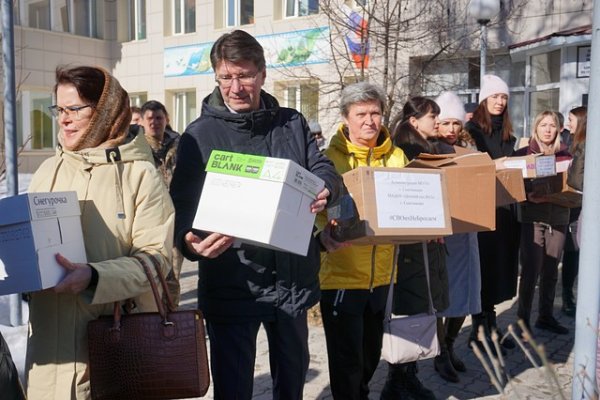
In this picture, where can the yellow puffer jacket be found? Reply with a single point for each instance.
(359, 267)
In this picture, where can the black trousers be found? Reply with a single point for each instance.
(541, 247)
(353, 322)
(233, 354)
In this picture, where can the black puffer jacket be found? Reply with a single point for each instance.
(267, 280)
(492, 143)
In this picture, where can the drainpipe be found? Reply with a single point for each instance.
(10, 128)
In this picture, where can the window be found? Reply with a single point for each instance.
(35, 127)
(137, 99)
(239, 12)
(357, 3)
(184, 110)
(301, 8)
(545, 68)
(79, 17)
(37, 14)
(137, 19)
(184, 16)
(303, 97)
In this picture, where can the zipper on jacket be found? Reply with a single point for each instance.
(369, 154)
(373, 251)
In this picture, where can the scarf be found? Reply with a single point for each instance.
(110, 122)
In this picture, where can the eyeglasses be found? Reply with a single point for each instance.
(70, 111)
(244, 80)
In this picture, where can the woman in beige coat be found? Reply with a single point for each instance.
(125, 212)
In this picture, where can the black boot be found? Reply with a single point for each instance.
(414, 385)
(568, 306)
(395, 384)
(478, 320)
(507, 342)
(452, 327)
(441, 363)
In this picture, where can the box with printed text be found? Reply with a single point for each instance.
(259, 200)
(395, 205)
(34, 227)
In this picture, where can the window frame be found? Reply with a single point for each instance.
(136, 20)
(181, 18)
(181, 107)
(25, 108)
(57, 22)
(237, 13)
(297, 4)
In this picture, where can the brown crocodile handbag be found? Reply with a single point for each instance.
(151, 356)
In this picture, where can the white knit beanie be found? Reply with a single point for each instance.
(490, 85)
(450, 107)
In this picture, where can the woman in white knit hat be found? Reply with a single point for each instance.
(491, 128)
(462, 259)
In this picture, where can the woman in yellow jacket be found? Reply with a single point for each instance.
(355, 279)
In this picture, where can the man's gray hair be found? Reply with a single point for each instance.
(361, 92)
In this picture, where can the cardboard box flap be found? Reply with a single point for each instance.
(265, 168)
(40, 206)
(17, 214)
(53, 205)
(448, 160)
(425, 160)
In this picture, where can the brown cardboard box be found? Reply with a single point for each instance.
(509, 186)
(532, 165)
(471, 188)
(398, 205)
(555, 190)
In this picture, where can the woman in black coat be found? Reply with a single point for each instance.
(415, 134)
(491, 128)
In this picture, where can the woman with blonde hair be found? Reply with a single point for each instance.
(543, 231)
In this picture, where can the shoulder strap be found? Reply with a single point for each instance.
(390, 297)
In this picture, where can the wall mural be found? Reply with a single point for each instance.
(309, 46)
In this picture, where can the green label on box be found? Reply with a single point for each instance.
(225, 162)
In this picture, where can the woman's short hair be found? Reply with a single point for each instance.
(89, 81)
(361, 92)
(237, 46)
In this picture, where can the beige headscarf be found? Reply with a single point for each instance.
(110, 122)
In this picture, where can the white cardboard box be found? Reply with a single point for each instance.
(259, 200)
(33, 228)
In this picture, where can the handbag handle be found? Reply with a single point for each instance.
(159, 303)
(390, 297)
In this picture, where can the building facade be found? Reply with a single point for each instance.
(158, 49)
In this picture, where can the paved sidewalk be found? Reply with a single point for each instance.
(529, 382)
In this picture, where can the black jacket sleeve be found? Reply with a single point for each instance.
(185, 189)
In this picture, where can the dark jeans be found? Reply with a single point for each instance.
(353, 334)
(233, 353)
(541, 247)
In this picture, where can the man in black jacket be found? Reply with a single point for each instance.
(241, 288)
